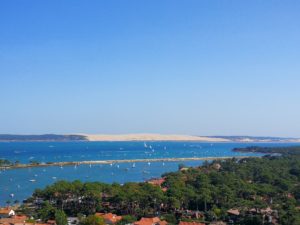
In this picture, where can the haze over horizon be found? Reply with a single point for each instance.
(170, 67)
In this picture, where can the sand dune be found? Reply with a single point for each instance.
(151, 137)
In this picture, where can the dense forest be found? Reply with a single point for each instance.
(255, 187)
(291, 150)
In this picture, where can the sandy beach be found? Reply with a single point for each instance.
(151, 137)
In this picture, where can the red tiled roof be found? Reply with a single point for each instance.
(5, 210)
(164, 189)
(157, 182)
(20, 217)
(113, 218)
(233, 212)
(190, 223)
(22, 223)
(150, 221)
(12, 220)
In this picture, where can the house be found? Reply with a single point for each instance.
(217, 166)
(150, 221)
(14, 220)
(233, 215)
(51, 222)
(234, 212)
(109, 218)
(190, 223)
(6, 212)
(156, 182)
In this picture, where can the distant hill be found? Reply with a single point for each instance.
(43, 137)
(257, 139)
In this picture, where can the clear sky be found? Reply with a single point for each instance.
(204, 67)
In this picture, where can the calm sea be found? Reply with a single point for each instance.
(17, 181)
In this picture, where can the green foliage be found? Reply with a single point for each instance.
(5, 162)
(92, 220)
(60, 217)
(244, 184)
(127, 219)
(251, 220)
(30, 221)
(47, 212)
(171, 218)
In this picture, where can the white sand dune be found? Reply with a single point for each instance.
(150, 137)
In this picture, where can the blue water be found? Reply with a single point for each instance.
(16, 181)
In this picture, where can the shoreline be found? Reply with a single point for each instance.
(73, 163)
(83, 137)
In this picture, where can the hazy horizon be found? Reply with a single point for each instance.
(112, 134)
(207, 68)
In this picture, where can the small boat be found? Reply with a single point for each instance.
(90, 165)
(149, 163)
(133, 165)
(118, 166)
(12, 195)
(145, 172)
(35, 175)
(111, 164)
(163, 164)
(54, 178)
(32, 180)
(145, 145)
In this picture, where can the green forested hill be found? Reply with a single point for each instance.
(44, 137)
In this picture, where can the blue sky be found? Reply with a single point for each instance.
(187, 67)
